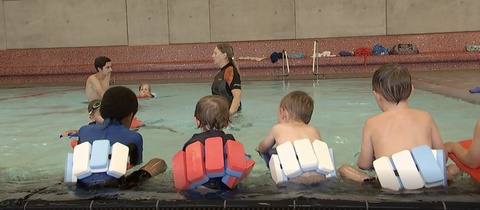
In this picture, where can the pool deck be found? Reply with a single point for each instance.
(452, 83)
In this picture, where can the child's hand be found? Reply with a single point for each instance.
(67, 133)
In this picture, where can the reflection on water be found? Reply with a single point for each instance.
(33, 156)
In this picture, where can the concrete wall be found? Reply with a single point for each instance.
(78, 23)
(65, 23)
(3, 44)
(246, 20)
(431, 16)
(189, 21)
(339, 18)
(147, 22)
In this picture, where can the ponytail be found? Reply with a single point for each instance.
(234, 63)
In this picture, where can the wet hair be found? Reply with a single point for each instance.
(228, 49)
(393, 82)
(101, 61)
(299, 106)
(213, 112)
(144, 83)
(95, 104)
(118, 102)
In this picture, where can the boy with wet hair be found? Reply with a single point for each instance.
(398, 127)
(118, 108)
(211, 116)
(99, 82)
(294, 113)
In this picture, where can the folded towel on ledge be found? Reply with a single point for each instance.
(252, 58)
(299, 55)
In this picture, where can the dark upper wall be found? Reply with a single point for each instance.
(28, 24)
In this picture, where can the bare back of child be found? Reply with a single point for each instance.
(398, 127)
(294, 114)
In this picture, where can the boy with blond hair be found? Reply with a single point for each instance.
(294, 114)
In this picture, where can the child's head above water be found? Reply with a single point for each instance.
(94, 111)
(299, 106)
(212, 113)
(145, 87)
(393, 82)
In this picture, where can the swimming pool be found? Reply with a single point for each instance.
(33, 155)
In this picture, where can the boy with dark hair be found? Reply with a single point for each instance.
(119, 106)
(294, 114)
(398, 127)
(100, 62)
(99, 82)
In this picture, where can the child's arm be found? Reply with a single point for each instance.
(70, 132)
(437, 142)
(268, 143)
(133, 153)
(319, 137)
(365, 159)
(470, 157)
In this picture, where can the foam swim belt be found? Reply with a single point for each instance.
(152, 95)
(198, 163)
(74, 143)
(136, 123)
(144, 96)
(422, 167)
(292, 160)
(98, 157)
(474, 173)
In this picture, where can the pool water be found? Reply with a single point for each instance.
(33, 155)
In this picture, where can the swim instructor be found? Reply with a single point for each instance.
(227, 81)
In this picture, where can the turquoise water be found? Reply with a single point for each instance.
(33, 155)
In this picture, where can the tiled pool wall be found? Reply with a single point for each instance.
(438, 51)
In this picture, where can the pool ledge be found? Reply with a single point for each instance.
(232, 204)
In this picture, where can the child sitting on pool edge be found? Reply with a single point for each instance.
(397, 128)
(294, 113)
(211, 116)
(145, 91)
(118, 108)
